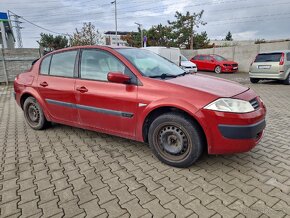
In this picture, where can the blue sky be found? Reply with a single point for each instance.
(246, 19)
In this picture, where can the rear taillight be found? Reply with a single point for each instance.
(282, 59)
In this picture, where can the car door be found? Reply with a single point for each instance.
(56, 86)
(211, 63)
(103, 105)
(202, 63)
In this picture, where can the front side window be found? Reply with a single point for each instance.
(201, 58)
(183, 58)
(207, 58)
(44, 68)
(97, 64)
(62, 64)
(150, 64)
(219, 58)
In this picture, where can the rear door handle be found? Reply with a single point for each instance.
(82, 89)
(44, 84)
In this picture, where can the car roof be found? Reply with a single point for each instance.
(86, 47)
(277, 51)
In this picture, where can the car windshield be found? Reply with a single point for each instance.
(183, 58)
(150, 64)
(219, 58)
(271, 57)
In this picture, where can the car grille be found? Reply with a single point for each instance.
(255, 103)
(234, 65)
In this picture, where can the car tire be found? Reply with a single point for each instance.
(34, 114)
(175, 140)
(287, 80)
(218, 69)
(254, 80)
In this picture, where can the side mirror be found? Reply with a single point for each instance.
(118, 77)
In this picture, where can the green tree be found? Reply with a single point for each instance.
(88, 35)
(50, 42)
(200, 40)
(159, 35)
(183, 28)
(229, 37)
(133, 39)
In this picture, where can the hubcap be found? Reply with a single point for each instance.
(218, 70)
(172, 140)
(33, 114)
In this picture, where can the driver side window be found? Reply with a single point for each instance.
(95, 65)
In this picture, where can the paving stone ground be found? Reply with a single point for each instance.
(70, 172)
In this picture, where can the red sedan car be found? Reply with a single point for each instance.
(136, 94)
(215, 63)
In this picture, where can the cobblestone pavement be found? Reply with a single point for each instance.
(65, 171)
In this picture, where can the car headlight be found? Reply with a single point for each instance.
(230, 105)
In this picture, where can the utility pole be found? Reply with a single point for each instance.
(17, 28)
(141, 29)
(116, 21)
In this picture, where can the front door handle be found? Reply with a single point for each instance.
(82, 89)
(43, 84)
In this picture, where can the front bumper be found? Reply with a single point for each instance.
(242, 131)
(230, 69)
(231, 132)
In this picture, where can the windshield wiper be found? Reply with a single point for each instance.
(164, 76)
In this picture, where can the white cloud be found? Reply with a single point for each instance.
(245, 35)
(66, 15)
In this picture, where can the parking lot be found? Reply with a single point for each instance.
(65, 171)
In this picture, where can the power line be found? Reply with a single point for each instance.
(28, 21)
(158, 8)
(164, 6)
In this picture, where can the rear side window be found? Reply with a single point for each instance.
(208, 58)
(202, 58)
(62, 64)
(44, 68)
(195, 58)
(271, 57)
(288, 56)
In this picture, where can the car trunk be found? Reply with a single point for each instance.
(269, 63)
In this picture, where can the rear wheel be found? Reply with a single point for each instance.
(175, 140)
(218, 69)
(254, 80)
(287, 80)
(34, 115)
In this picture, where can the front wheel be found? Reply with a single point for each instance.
(176, 140)
(218, 69)
(34, 115)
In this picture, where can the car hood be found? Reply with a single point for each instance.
(208, 84)
(187, 64)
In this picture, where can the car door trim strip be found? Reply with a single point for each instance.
(92, 109)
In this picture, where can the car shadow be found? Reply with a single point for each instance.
(271, 82)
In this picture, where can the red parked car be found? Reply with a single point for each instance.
(215, 63)
(139, 95)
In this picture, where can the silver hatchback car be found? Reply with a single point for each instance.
(271, 65)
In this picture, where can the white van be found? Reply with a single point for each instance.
(175, 56)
